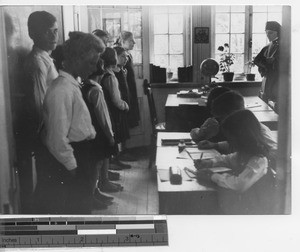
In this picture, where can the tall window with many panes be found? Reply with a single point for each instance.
(169, 29)
(243, 28)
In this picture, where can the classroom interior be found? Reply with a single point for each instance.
(177, 39)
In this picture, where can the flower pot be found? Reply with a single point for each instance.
(228, 76)
(169, 75)
(250, 77)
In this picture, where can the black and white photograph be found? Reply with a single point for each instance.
(84, 129)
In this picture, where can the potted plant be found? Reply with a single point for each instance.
(226, 60)
(250, 76)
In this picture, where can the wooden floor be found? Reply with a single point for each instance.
(140, 194)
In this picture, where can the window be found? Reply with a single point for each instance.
(169, 37)
(239, 26)
(115, 19)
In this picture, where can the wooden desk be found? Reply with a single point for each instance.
(183, 114)
(188, 198)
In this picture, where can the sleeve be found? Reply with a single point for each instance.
(100, 107)
(223, 147)
(112, 85)
(255, 169)
(60, 110)
(38, 77)
(229, 160)
(208, 129)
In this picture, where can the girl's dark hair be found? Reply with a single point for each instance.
(99, 70)
(244, 127)
(119, 50)
(213, 94)
(100, 33)
(109, 57)
(227, 103)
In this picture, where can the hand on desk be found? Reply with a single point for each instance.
(205, 144)
(202, 164)
(204, 175)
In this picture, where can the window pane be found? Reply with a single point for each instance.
(223, 8)
(222, 23)
(275, 8)
(138, 44)
(137, 57)
(259, 8)
(94, 19)
(112, 26)
(160, 24)
(237, 43)
(175, 23)
(258, 42)
(221, 39)
(161, 44)
(176, 44)
(161, 60)
(238, 65)
(135, 23)
(259, 22)
(238, 8)
(275, 17)
(238, 23)
(175, 62)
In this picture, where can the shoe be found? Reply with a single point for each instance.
(119, 163)
(113, 176)
(110, 187)
(102, 197)
(99, 205)
(127, 157)
(118, 185)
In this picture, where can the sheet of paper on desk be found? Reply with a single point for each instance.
(193, 153)
(220, 169)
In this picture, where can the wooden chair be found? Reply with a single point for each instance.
(156, 127)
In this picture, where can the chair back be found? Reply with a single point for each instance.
(152, 109)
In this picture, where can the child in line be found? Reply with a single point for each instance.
(121, 75)
(210, 128)
(103, 146)
(248, 188)
(116, 105)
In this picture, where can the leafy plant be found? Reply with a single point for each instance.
(227, 58)
(250, 64)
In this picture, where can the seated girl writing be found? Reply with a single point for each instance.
(249, 164)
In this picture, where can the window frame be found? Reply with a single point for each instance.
(187, 14)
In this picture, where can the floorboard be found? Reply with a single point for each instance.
(140, 194)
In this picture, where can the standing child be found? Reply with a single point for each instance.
(116, 105)
(248, 188)
(103, 146)
(121, 75)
